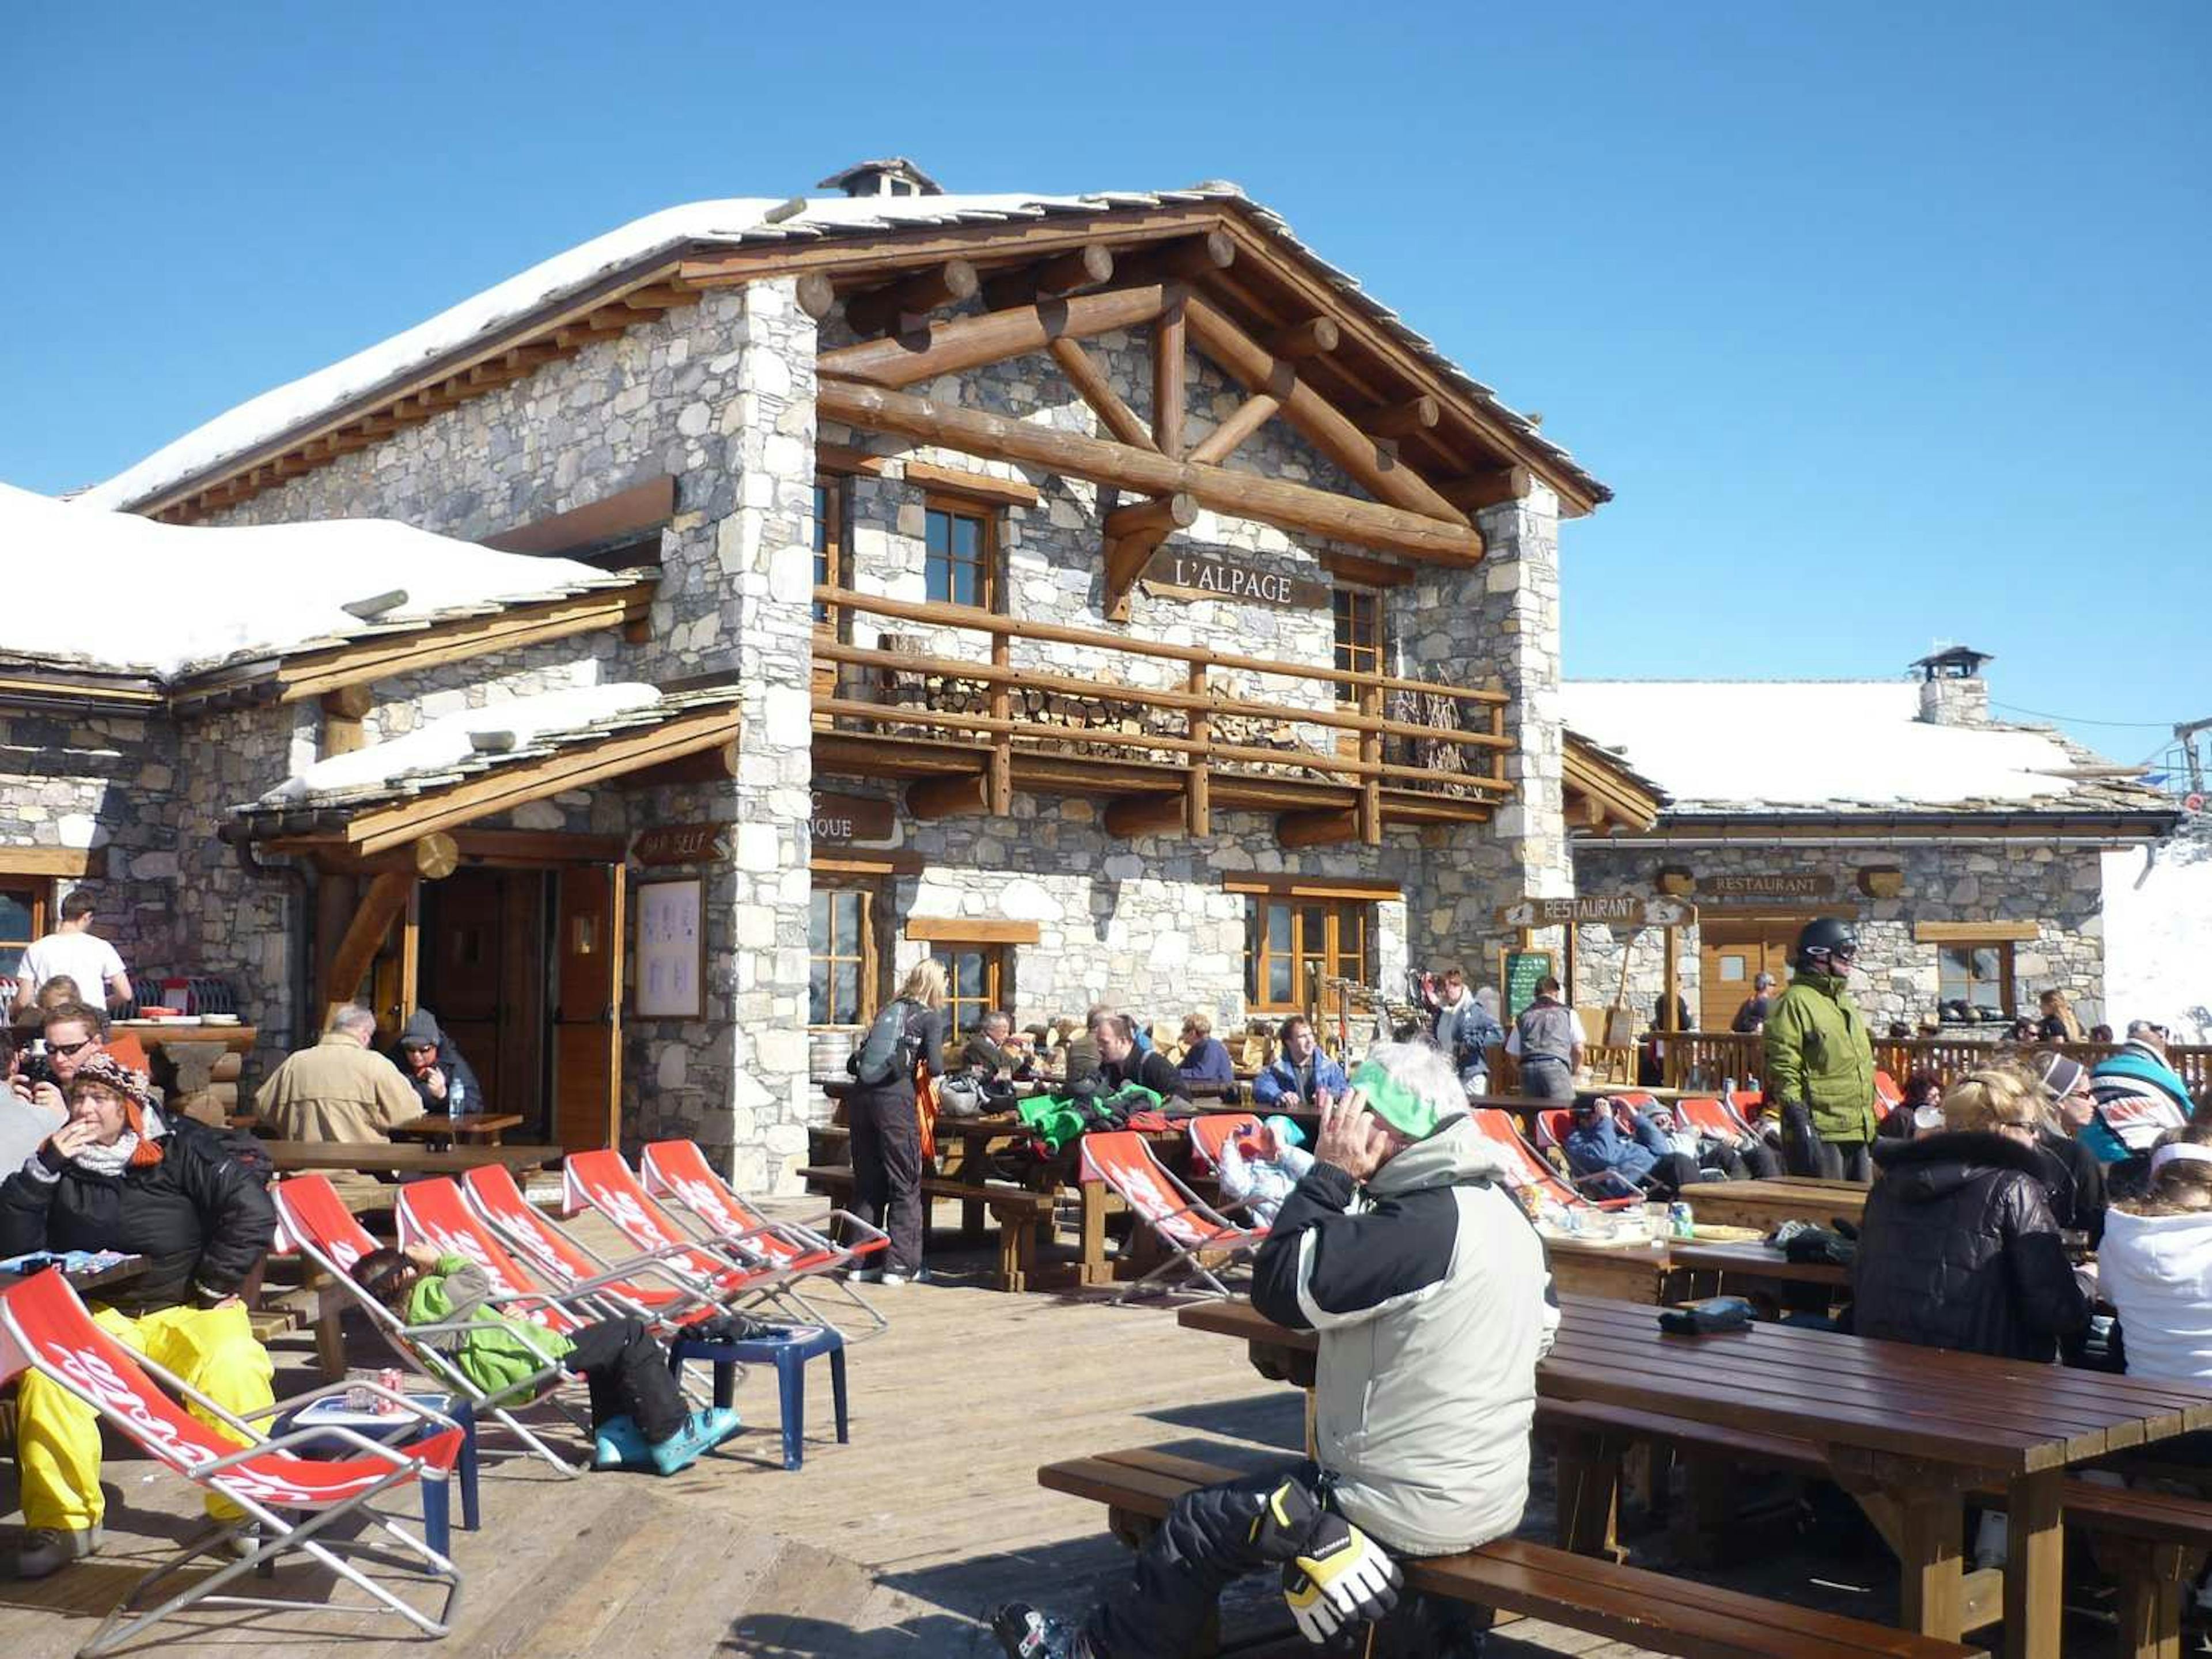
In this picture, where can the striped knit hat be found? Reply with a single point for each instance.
(137, 1091)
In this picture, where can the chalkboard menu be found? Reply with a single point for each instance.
(1518, 975)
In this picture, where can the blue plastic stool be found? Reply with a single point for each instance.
(437, 1495)
(790, 1349)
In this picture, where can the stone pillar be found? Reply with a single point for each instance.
(736, 599)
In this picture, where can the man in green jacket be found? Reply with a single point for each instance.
(451, 1304)
(1819, 1060)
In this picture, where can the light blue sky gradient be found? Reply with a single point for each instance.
(1886, 322)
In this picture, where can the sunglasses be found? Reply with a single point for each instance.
(67, 1050)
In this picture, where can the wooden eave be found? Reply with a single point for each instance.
(1270, 288)
(63, 691)
(502, 788)
(381, 656)
(1876, 827)
(1610, 797)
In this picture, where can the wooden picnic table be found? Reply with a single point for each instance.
(1909, 1432)
(1712, 1267)
(89, 1279)
(470, 1128)
(1766, 1203)
(401, 1158)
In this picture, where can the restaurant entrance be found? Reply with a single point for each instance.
(522, 968)
(1732, 952)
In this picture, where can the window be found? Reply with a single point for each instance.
(1287, 939)
(978, 978)
(828, 538)
(1359, 636)
(22, 920)
(1980, 975)
(841, 978)
(961, 556)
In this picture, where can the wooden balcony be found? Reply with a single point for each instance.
(1165, 734)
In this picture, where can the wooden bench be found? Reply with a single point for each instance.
(1623, 1604)
(1024, 1217)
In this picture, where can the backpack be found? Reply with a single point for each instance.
(888, 1052)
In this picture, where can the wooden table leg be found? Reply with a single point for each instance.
(1588, 1481)
(1930, 1597)
(1092, 1268)
(330, 1336)
(2153, 1578)
(2034, 1606)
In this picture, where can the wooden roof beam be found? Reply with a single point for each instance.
(1146, 814)
(1091, 385)
(1089, 266)
(1241, 494)
(1404, 420)
(974, 342)
(932, 798)
(1323, 829)
(1479, 489)
(1133, 534)
(1249, 416)
(1315, 337)
(1192, 260)
(898, 308)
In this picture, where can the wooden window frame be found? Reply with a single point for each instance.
(997, 957)
(1355, 654)
(869, 960)
(37, 891)
(2008, 985)
(986, 562)
(832, 540)
(1335, 911)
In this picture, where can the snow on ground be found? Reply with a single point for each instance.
(443, 744)
(121, 592)
(2158, 935)
(1807, 743)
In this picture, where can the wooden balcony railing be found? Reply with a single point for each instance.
(1413, 750)
(1702, 1060)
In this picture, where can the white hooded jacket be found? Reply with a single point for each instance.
(2157, 1271)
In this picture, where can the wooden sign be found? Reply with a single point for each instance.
(1616, 910)
(680, 843)
(1184, 575)
(1769, 885)
(839, 820)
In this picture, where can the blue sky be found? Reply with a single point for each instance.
(1885, 322)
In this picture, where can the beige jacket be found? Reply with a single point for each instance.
(337, 1090)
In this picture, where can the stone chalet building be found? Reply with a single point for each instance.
(1101, 592)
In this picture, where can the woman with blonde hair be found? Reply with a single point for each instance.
(907, 1039)
(2058, 1023)
(1959, 1248)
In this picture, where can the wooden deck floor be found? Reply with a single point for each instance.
(892, 1546)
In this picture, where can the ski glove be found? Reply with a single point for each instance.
(1338, 1575)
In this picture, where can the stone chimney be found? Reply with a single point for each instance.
(891, 175)
(1952, 689)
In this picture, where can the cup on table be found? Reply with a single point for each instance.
(1658, 1225)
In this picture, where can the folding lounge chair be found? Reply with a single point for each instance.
(1604, 1187)
(1888, 1096)
(314, 1219)
(1522, 1161)
(1191, 1229)
(44, 1328)
(1704, 1114)
(1211, 1131)
(799, 1249)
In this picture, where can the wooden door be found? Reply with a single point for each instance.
(587, 1008)
(1731, 955)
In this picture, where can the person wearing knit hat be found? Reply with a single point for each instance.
(1404, 1249)
(118, 1176)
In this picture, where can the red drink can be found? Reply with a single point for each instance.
(390, 1380)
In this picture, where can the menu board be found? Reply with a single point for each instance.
(1518, 976)
(671, 948)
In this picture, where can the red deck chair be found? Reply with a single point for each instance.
(1551, 1128)
(44, 1328)
(1190, 1228)
(1211, 1131)
(1888, 1096)
(797, 1250)
(313, 1220)
(1704, 1114)
(1522, 1161)
(1747, 1104)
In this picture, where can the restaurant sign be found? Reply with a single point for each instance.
(1769, 885)
(839, 820)
(1612, 909)
(679, 843)
(1186, 575)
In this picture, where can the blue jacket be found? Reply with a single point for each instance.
(1464, 1031)
(1208, 1062)
(1279, 1081)
(1598, 1147)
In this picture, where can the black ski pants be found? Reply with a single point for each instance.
(627, 1371)
(886, 1126)
(1206, 1540)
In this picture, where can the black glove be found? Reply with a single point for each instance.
(1797, 1136)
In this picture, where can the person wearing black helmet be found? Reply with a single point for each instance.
(1819, 1060)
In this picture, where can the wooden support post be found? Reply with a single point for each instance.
(1311, 338)
(1144, 815)
(1199, 789)
(344, 710)
(1674, 991)
(380, 907)
(967, 342)
(998, 790)
(2034, 1606)
(1319, 829)
(1255, 412)
(816, 298)
(900, 305)
(1169, 353)
(1132, 535)
(1930, 1527)
(1371, 754)
(1089, 266)
(948, 798)
(1091, 385)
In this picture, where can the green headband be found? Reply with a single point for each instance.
(1409, 1113)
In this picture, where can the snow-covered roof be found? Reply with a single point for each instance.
(1718, 746)
(457, 747)
(112, 591)
(737, 221)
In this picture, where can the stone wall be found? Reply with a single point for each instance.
(2059, 888)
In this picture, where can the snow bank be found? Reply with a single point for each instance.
(120, 591)
(442, 744)
(1807, 743)
(2158, 936)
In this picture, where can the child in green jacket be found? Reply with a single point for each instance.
(637, 1410)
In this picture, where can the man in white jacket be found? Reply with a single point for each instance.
(1404, 1249)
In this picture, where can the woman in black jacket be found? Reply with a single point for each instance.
(884, 1117)
(1959, 1248)
(116, 1177)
